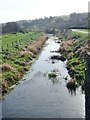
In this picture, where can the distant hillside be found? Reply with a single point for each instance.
(74, 20)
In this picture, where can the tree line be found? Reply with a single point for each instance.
(74, 20)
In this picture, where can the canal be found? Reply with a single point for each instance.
(42, 97)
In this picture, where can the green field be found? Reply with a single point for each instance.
(9, 40)
(86, 30)
(79, 34)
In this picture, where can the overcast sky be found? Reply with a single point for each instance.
(13, 10)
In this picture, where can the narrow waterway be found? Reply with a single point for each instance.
(41, 97)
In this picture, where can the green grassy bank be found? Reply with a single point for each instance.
(74, 47)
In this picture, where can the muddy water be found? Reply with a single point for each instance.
(41, 97)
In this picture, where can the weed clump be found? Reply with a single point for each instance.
(52, 75)
(72, 84)
(57, 57)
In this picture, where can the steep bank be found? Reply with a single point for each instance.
(74, 47)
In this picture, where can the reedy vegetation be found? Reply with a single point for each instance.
(73, 47)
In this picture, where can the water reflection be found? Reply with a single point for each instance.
(72, 91)
(54, 81)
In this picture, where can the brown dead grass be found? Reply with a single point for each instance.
(70, 55)
(66, 44)
(36, 46)
(82, 52)
(18, 76)
(5, 67)
(32, 49)
(4, 87)
(26, 52)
